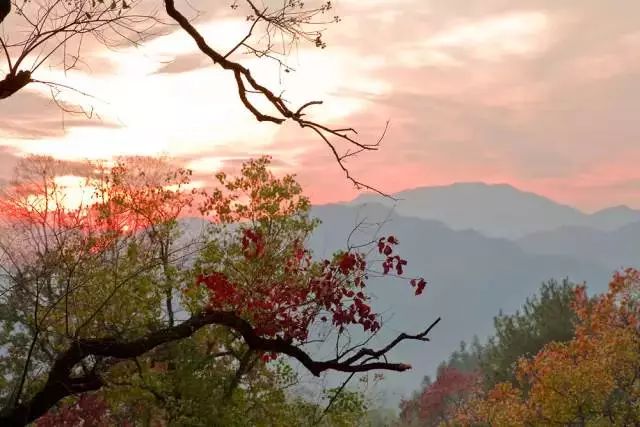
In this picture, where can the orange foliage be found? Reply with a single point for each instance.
(594, 379)
(117, 201)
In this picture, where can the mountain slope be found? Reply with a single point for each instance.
(610, 219)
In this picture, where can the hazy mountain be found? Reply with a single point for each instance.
(471, 277)
(613, 249)
(497, 210)
(613, 218)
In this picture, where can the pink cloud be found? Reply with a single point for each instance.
(542, 94)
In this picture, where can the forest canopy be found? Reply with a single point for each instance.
(106, 291)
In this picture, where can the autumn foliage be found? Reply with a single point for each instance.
(590, 380)
(330, 290)
(439, 401)
(109, 284)
(303, 290)
(89, 410)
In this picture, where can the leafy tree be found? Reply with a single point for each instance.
(439, 401)
(102, 292)
(196, 383)
(546, 317)
(591, 380)
(466, 358)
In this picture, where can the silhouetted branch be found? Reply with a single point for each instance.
(58, 28)
(61, 381)
(246, 83)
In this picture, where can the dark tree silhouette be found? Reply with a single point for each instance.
(5, 8)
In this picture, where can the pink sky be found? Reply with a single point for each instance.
(544, 95)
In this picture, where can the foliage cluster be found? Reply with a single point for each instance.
(112, 306)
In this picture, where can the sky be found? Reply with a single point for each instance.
(543, 95)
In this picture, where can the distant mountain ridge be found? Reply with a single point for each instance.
(615, 249)
(485, 248)
(471, 278)
(497, 210)
(615, 217)
(482, 248)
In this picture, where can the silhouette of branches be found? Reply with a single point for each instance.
(53, 32)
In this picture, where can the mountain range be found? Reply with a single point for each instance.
(483, 248)
(497, 210)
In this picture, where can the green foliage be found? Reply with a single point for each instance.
(120, 266)
(380, 417)
(544, 318)
(466, 358)
(196, 383)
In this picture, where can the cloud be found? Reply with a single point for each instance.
(537, 93)
(184, 63)
(32, 115)
(541, 94)
(9, 158)
(516, 33)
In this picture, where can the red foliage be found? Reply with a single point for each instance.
(253, 244)
(439, 401)
(331, 289)
(90, 410)
(419, 284)
(392, 261)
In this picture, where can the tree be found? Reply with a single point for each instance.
(54, 32)
(590, 380)
(214, 379)
(546, 317)
(439, 401)
(98, 287)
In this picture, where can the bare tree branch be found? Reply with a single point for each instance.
(247, 83)
(58, 28)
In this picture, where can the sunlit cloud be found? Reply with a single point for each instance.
(196, 110)
(516, 33)
(75, 193)
(538, 94)
(207, 164)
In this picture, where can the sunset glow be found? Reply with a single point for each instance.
(483, 93)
